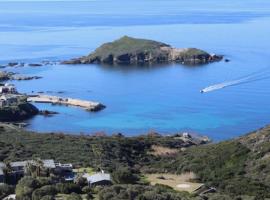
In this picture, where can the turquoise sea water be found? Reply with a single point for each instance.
(163, 98)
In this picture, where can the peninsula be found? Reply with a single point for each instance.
(128, 50)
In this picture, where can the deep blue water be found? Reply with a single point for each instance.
(139, 99)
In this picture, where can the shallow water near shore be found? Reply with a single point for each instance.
(163, 98)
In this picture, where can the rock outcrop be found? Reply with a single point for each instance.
(128, 50)
(18, 112)
(5, 75)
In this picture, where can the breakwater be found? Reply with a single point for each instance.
(88, 105)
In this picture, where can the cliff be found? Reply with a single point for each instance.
(128, 50)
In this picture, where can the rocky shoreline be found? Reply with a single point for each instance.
(128, 50)
(5, 76)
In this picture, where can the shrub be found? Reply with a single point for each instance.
(124, 175)
(6, 190)
(67, 188)
(25, 188)
(44, 191)
(74, 196)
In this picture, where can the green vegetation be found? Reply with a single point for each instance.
(140, 192)
(128, 50)
(17, 112)
(127, 45)
(238, 168)
(83, 151)
(6, 190)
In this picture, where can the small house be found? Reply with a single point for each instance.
(98, 179)
(8, 88)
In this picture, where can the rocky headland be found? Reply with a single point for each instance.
(17, 112)
(128, 50)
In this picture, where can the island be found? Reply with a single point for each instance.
(128, 50)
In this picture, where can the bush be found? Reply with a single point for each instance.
(124, 175)
(48, 197)
(140, 192)
(68, 188)
(6, 190)
(25, 188)
(74, 196)
(44, 191)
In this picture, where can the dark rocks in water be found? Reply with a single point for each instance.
(12, 64)
(97, 108)
(127, 50)
(35, 65)
(25, 78)
(227, 60)
(18, 112)
(47, 112)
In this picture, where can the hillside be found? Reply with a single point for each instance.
(238, 167)
(128, 50)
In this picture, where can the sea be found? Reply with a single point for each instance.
(141, 99)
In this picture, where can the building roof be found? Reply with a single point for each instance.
(18, 164)
(49, 164)
(98, 177)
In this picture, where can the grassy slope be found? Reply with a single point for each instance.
(127, 45)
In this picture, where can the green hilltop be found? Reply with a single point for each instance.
(128, 50)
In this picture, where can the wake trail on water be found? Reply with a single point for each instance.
(255, 76)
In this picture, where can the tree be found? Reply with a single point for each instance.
(25, 188)
(124, 175)
(44, 191)
(5, 190)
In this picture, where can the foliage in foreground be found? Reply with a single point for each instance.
(236, 167)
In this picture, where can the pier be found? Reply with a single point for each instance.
(88, 105)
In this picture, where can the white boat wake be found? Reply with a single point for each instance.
(256, 76)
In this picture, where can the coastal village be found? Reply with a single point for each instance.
(68, 173)
(15, 106)
(10, 96)
(12, 172)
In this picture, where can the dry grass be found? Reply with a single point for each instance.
(162, 151)
(178, 182)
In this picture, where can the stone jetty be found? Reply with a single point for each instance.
(88, 105)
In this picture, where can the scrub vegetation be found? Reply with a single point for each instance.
(237, 168)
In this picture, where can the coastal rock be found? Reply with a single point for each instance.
(5, 75)
(12, 64)
(47, 113)
(18, 112)
(35, 65)
(25, 78)
(128, 50)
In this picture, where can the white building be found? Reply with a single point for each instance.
(8, 88)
